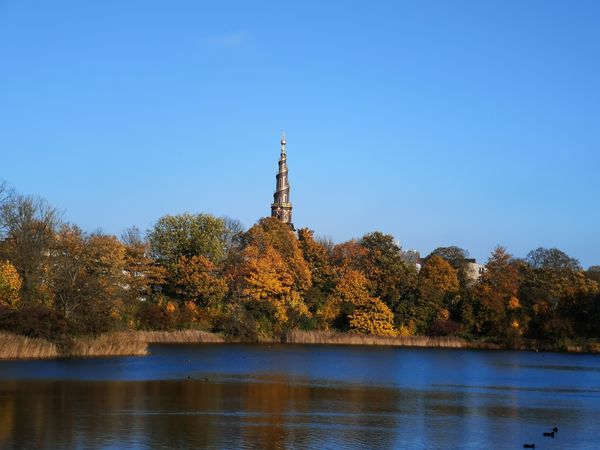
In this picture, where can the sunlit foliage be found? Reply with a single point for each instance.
(10, 285)
(200, 271)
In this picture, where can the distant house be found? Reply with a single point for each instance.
(474, 270)
(412, 257)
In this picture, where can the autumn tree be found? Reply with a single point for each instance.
(437, 287)
(348, 255)
(144, 276)
(269, 276)
(439, 274)
(593, 273)
(350, 307)
(87, 279)
(458, 259)
(10, 285)
(269, 290)
(270, 232)
(372, 316)
(382, 263)
(496, 294)
(27, 227)
(196, 278)
(559, 295)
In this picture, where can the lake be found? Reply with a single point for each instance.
(298, 396)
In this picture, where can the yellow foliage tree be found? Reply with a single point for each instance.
(440, 274)
(268, 280)
(372, 316)
(10, 285)
(350, 302)
(269, 232)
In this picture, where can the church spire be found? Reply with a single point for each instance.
(281, 208)
(283, 142)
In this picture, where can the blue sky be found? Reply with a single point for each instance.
(442, 123)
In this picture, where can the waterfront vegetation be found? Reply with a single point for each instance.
(64, 291)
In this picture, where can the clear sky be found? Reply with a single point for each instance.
(464, 123)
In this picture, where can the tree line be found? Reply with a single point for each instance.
(206, 272)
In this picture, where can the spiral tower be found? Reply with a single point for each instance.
(281, 208)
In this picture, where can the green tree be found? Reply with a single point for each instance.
(322, 275)
(315, 254)
(384, 266)
(559, 296)
(188, 235)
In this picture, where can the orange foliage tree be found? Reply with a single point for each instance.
(195, 278)
(144, 276)
(87, 279)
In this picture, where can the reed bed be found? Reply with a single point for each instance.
(21, 347)
(111, 344)
(127, 343)
(329, 337)
(179, 337)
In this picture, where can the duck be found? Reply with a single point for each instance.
(528, 445)
(549, 434)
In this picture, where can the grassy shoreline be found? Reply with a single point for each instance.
(135, 343)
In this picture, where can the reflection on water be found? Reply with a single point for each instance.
(299, 397)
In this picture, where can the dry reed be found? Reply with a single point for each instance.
(179, 337)
(112, 344)
(328, 337)
(21, 347)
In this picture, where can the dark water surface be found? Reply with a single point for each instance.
(296, 396)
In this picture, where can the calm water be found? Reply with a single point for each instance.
(251, 396)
